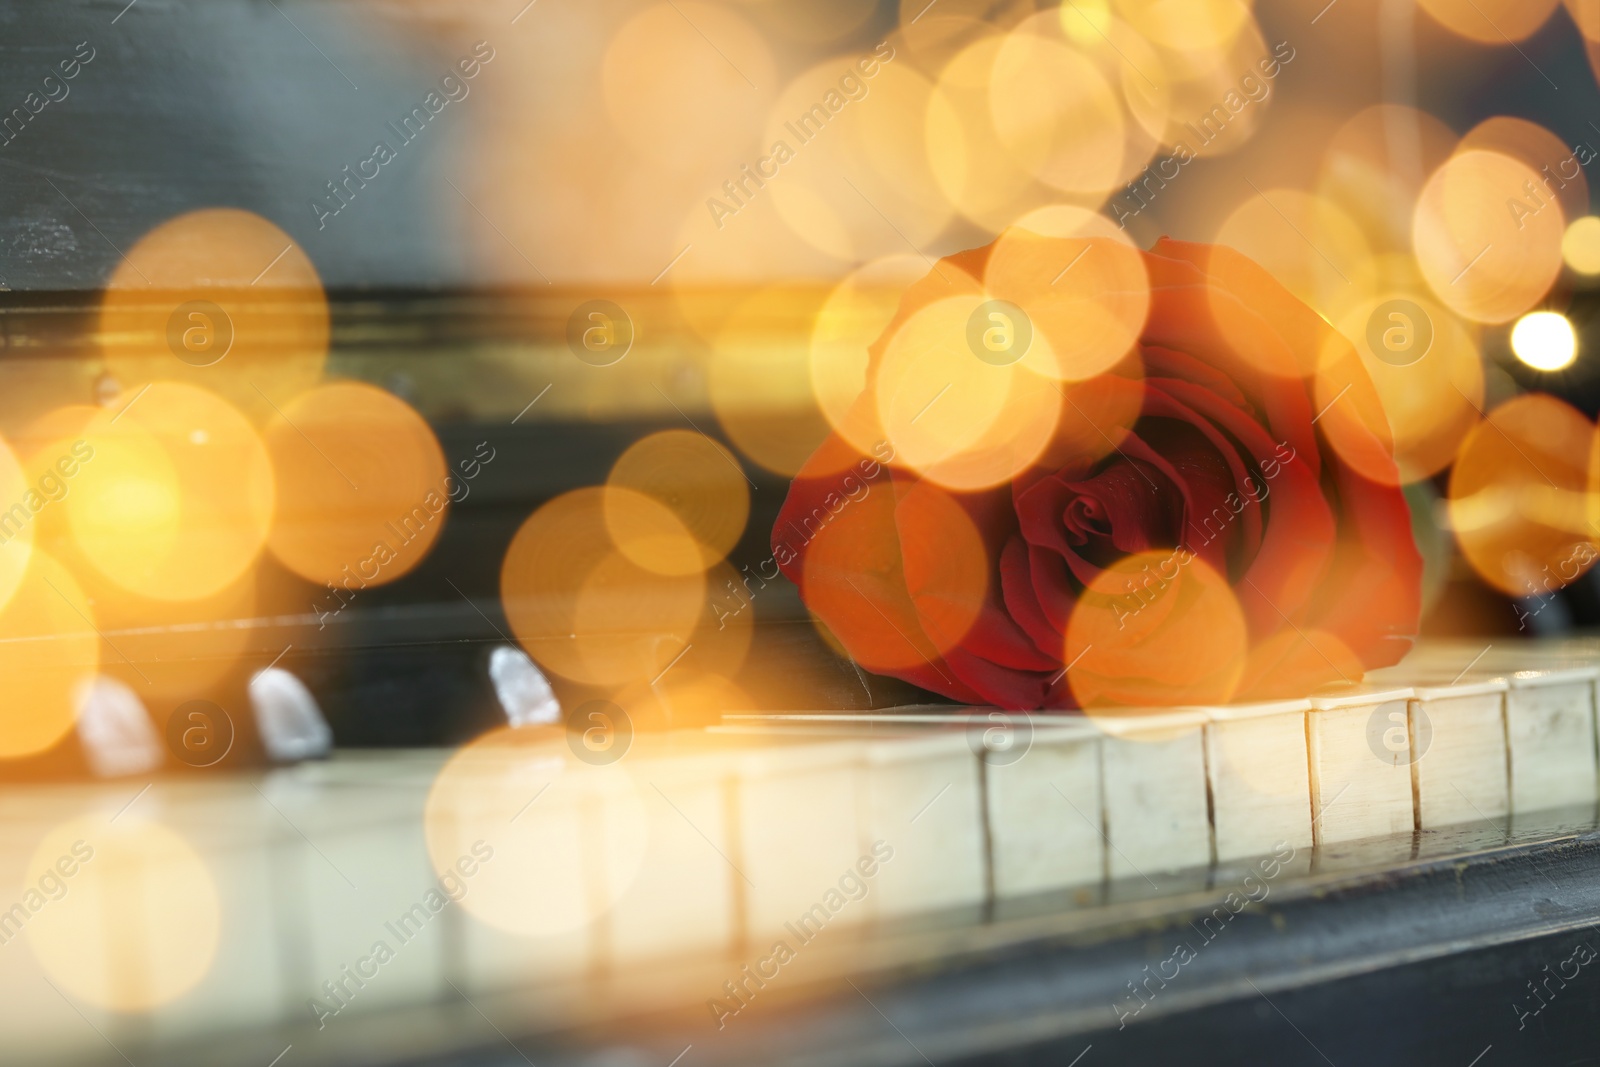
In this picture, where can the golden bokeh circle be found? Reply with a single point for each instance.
(1155, 629)
(694, 477)
(362, 487)
(1519, 504)
(959, 420)
(1491, 22)
(583, 609)
(179, 498)
(138, 922)
(1488, 243)
(48, 645)
(218, 297)
(553, 842)
(760, 381)
(850, 321)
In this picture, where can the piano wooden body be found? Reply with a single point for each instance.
(924, 882)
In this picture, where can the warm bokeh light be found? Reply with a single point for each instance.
(697, 479)
(1487, 240)
(1376, 164)
(853, 317)
(677, 78)
(856, 573)
(27, 489)
(1305, 241)
(48, 645)
(958, 419)
(220, 298)
(1082, 285)
(683, 700)
(139, 923)
(650, 534)
(1221, 91)
(179, 497)
(1493, 22)
(1155, 628)
(1056, 114)
(1187, 25)
(1580, 245)
(362, 487)
(838, 152)
(586, 611)
(1519, 501)
(1544, 340)
(541, 868)
(759, 381)
(1425, 365)
(974, 169)
(1559, 166)
(1296, 661)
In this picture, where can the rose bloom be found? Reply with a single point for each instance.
(1214, 514)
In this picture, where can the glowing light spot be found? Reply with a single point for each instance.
(363, 489)
(558, 865)
(1544, 341)
(1156, 628)
(1580, 245)
(139, 925)
(587, 611)
(693, 476)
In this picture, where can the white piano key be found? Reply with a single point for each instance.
(495, 960)
(684, 900)
(1258, 770)
(1550, 727)
(799, 819)
(367, 882)
(921, 801)
(1044, 811)
(1457, 733)
(240, 843)
(1153, 769)
(1358, 790)
(41, 1023)
(567, 839)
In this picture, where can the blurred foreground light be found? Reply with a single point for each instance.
(127, 914)
(1580, 245)
(1544, 340)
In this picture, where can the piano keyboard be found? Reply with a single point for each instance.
(524, 865)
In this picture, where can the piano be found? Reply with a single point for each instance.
(835, 871)
(879, 887)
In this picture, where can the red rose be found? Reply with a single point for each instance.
(1216, 516)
